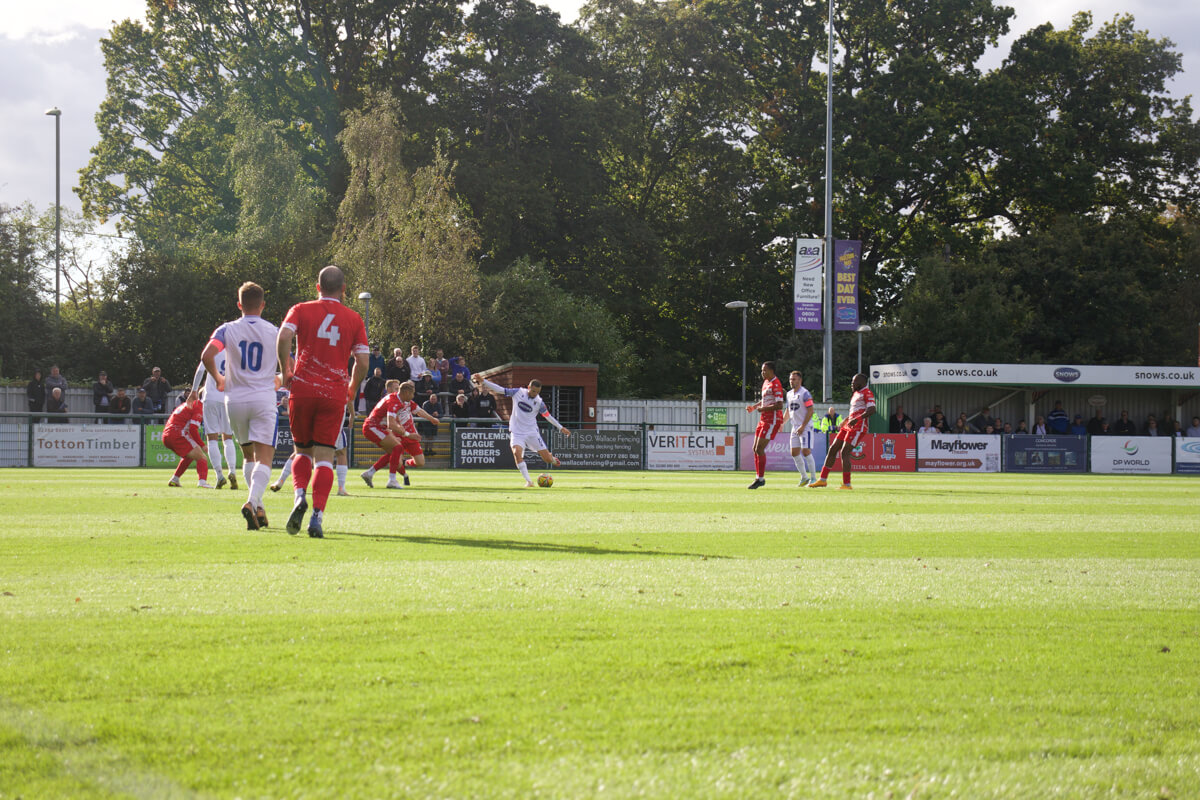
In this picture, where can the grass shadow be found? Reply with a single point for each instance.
(520, 546)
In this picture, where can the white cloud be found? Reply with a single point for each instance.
(22, 19)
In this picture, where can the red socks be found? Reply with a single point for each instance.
(182, 466)
(381, 462)
(824, 473)
(394, 463)
(302, 468)
(322, 483)
(760, 464)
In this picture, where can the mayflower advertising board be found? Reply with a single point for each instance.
(948, 452)
(1131, 455)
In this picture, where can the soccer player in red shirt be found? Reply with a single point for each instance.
(182, 436)
(390, 425)
(327, 334)
(770, 420)
(862, 406)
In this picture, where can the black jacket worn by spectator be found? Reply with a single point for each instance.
(35, 392)
(397, 369)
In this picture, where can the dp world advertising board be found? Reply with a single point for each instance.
(1131, 455)
(488, 448)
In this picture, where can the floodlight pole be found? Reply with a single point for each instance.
(57, 114)
(366, 298)
(827, 376)
(861, 330)
(742, 304)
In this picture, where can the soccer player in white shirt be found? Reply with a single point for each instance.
(249, 386)
(523, 434)
(216, 423)
(799, 408)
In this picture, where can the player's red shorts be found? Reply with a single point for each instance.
(315, 421)
(849, 435)
(377, 435)
(179, 444)
(768, 428)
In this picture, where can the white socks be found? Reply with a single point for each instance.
(258, 481)
(811, 463)
(342, 471)
(214, 457)
(524, 471)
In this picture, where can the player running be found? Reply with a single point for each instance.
(522, 422)
(770, 420)
(181, 435)
(216, 424)
(341, 463)
(862, 406)
(327, 334)
(391, 426)
(248, 343)
(800, 411)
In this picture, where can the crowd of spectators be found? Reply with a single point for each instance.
(1057, 421)
(110, 403)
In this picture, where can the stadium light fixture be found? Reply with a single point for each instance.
(861, 330)
(734, 305)
(57, 114)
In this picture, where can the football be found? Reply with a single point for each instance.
(545, 481)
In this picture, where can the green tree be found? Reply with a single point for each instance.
(23, 311)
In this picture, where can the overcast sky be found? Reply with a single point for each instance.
(54, 60)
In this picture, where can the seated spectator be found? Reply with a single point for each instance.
(483, 405)
(988, 429)
(425, 388)
(459, 408)
(397, 368)
(157, 388)
(120, 406)
(908, 426)
(374, 388)
(1177, 428)
(1124, 426)
(1194, 429)
(896, 421)
(1022, 428)
(1096, 424)
(1077, 427)
(1057, 420)
(1152, 427)
(56, 403)
(998, 425)
(1105, 428)
(1041, 426)
(142, 404)
(963, 425)
(433, 407)
(940, 422)
(1008, 428)
(927, 427)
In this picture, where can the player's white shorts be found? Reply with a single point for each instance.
(528, 441)
(216, 420)
(253, 420)
(343, 440)
(803, 440)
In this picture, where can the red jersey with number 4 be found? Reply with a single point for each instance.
(327, 335)
(772, 393)
(392, 406)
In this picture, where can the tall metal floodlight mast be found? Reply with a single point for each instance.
(57, 114)
(827, 377)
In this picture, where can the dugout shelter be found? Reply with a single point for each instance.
(568, 390)
(1015, 392)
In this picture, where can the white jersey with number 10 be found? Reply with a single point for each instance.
(250, 358)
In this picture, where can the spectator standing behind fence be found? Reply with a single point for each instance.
(374, 388)
(433, 407)
(425, 387)
(1040, 427)
(157, 388)
(830, 422)
(55, 380)
(459, 364)
(1194, 428)
(1078, 428)
(120, 407)
(142, 404)
(375, 361)
(1096, 425)
(35, 395)
(1057, 420)
(439, 365)
(397, 368)
(460, 384)
(483, 405)
(102, 393)
(416, 363)
(459, 408)
(985, 419)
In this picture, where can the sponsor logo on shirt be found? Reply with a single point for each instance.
(525, 406)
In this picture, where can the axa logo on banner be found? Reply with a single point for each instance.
(1067, 374)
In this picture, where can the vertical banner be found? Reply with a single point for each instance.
(846, 258)
(810, 266)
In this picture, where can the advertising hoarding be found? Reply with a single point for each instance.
(949, 452)
(690, 449)
(1131, 455)
(86, 445)
(1187, 455)
(1045, 453)
(882, 452)
(488, 448)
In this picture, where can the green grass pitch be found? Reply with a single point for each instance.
(662, 635)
